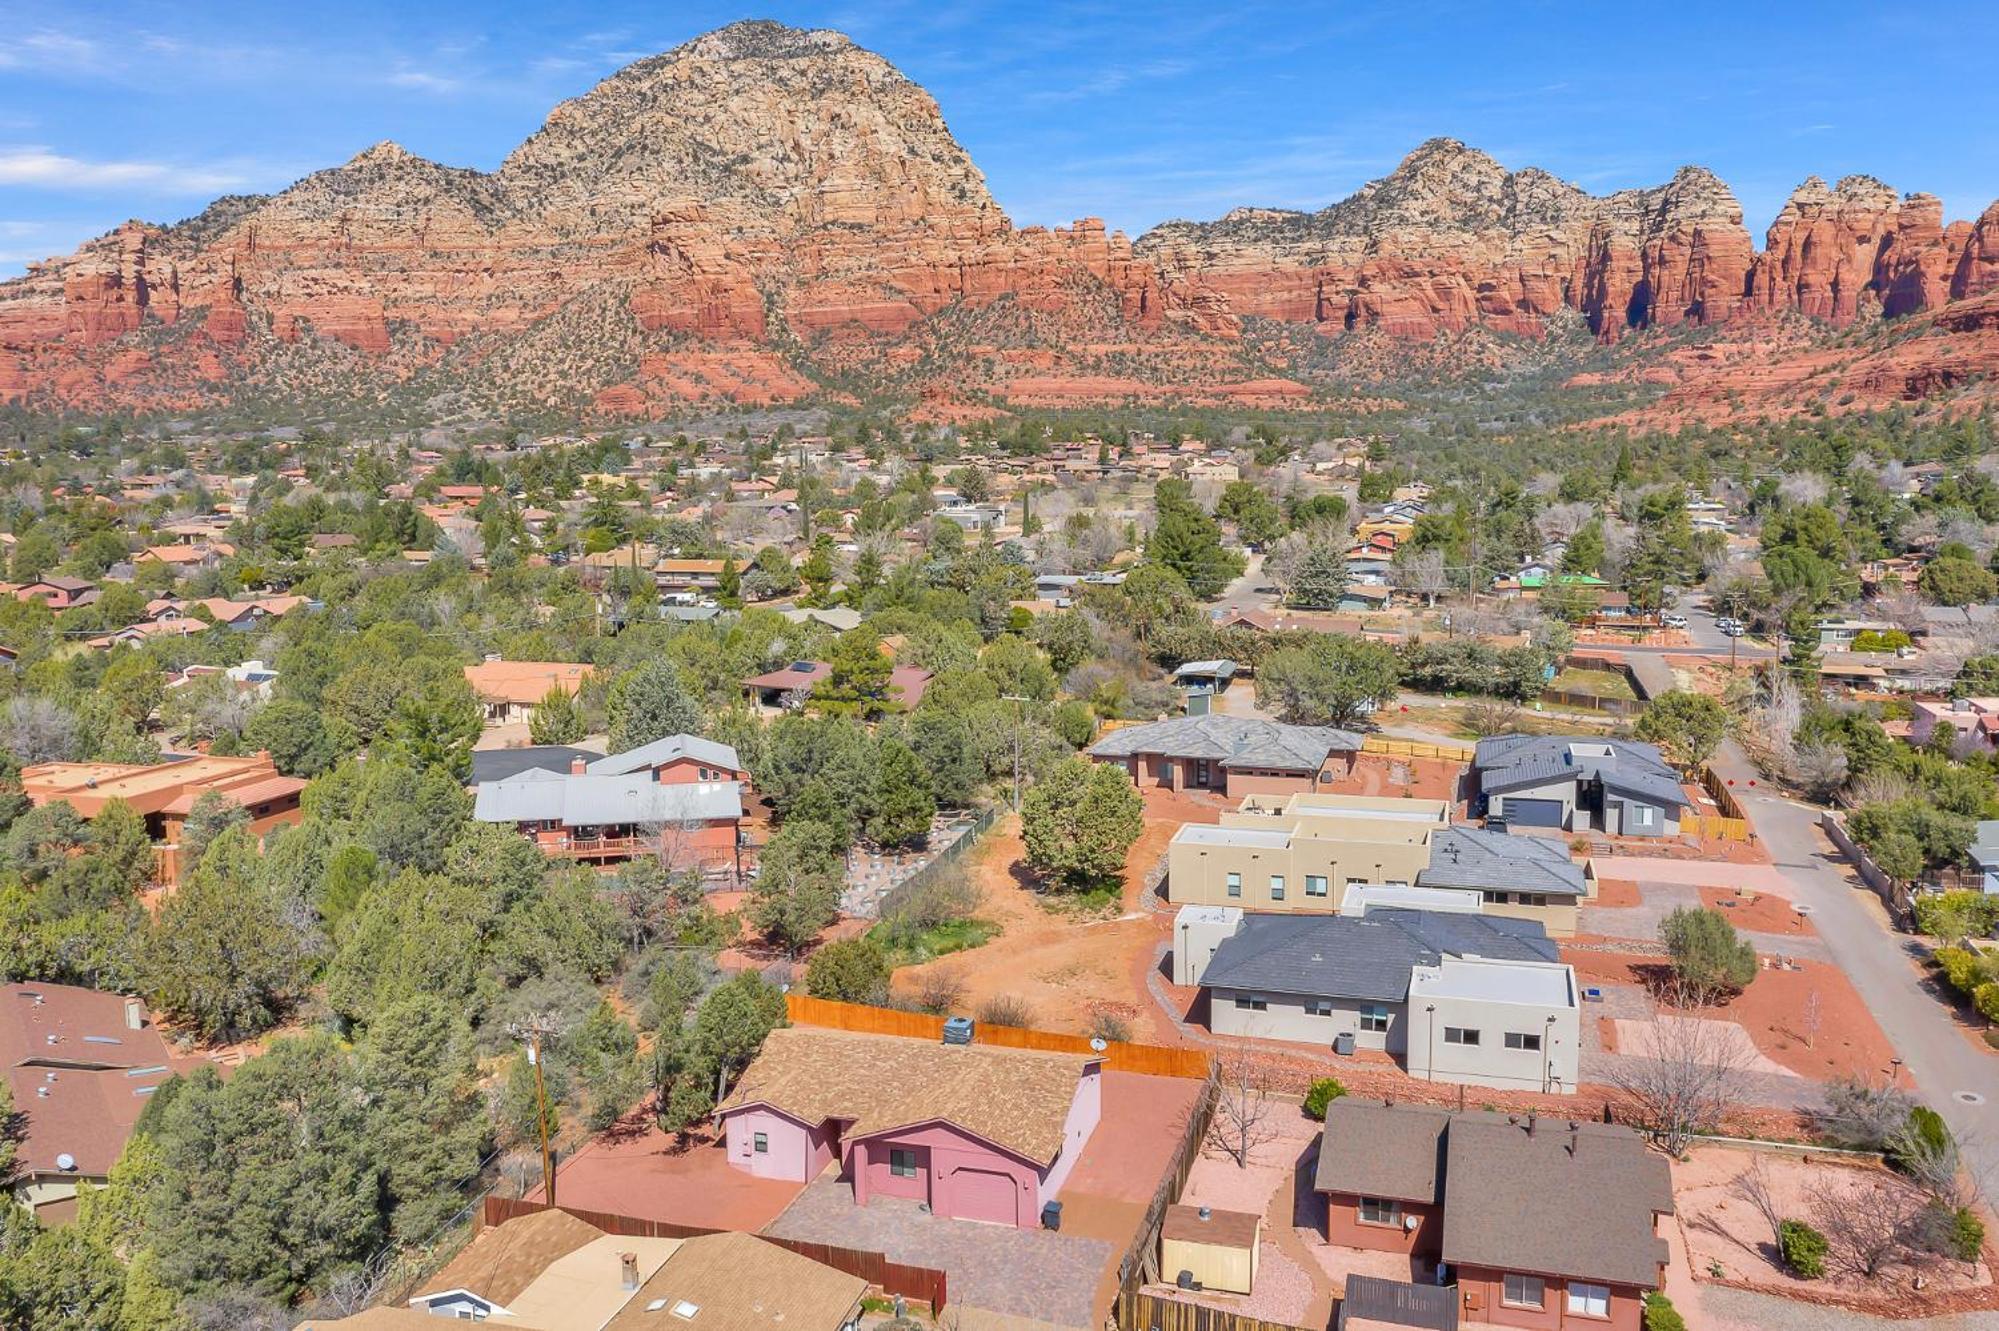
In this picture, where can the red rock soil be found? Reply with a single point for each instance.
(1761, 912)
(1849, 1042)
(1068, 969)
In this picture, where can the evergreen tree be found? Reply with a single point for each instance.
(904, 804)
(556, 719)
(221, 956)
(853, 970)
(858, 684)
(1080, 820)
(1187, 541)
(421, 1079)
(649, 702)
(1321, 580)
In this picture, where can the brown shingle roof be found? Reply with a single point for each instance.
(501, 1262)
(1227, 1229)
(738, 1282)
(1372, 1149)
(1016, 1099)
(1566, 1199)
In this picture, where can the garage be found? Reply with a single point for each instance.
(981, 1194)
(1533, 813)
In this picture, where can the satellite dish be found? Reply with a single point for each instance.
(66, 1163)
(1097, 1043)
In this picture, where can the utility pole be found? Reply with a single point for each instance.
(534, 1030)
(1020, 720)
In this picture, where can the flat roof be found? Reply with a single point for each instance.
(1493, 981)
(1207, 834)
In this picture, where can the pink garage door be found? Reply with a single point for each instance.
(982, 1194)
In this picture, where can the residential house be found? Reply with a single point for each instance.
(1984, 854)
(1540, 1222)
(680, 798)
(1579, 784)
(1363, 597)
(1304, 853)
(1230, 755)
(511, 690)
(81, 1065)
(1974, 719)
(164, 794)
(691, 577)
(58, 593)
(1517, 877)
(243, 616)
(775, 689)
(973, 1131)
(551, 1271)
(1207, 677)
(1455, 997)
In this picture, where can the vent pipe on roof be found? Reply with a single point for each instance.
(628, 1270)
(135, 1014)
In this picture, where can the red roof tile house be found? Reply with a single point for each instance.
(81, 1065)
(973, 1131)
(511, 690)
(1540, 1222)
(164, 793)
(776, 688)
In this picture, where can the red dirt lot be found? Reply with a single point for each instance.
(1069, 968)
(1760, 912)
(1772, 1011)
(1418, 778)
(1617, 892)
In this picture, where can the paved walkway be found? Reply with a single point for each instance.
(1857, 935)
(1030, 1273)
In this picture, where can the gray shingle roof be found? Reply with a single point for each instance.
(1366, 957)
(666, 750)
(1521, 762)
(503, 764)
(1572, 1200)
(1372, 1149)
(1494, 861)
(1232, 740)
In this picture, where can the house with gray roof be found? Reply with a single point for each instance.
(1538, 1220)
(1458, 997)
(1578, 783)
(679, 799)
(1520, 877)
(1230, 755)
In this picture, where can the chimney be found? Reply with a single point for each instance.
(577, 766)
(135, 1015)
(628, 1263)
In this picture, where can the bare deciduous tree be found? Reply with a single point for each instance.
(1753, 1185)
(1868, 1229)
(1812, 1018)
(1423, 573)
(1687, 1083)
(1245, 1115)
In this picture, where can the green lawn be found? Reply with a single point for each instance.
(1598, 683)
(909, 945)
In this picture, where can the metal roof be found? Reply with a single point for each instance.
(1522, 762)
(598, 801)
(1235, 741)
(666, 750)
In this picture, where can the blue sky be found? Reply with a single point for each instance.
(1132, 112)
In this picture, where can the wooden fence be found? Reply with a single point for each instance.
(1732, 823)
(1592, 702)
(1150, 1059)
(1149, 1312)
(912, 1282)
(1141, 1260)
(1403, 748)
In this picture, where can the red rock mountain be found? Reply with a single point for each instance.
(768, 214)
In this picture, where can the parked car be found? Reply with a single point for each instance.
(1732, 629)
(1673, 621)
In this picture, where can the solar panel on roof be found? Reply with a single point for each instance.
(802, 667)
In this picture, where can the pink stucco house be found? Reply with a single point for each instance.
(978, 1133)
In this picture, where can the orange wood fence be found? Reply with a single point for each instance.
(1151, 1059)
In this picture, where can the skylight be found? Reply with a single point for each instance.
(685, 1310)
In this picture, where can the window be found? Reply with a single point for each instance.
(902, 1164)
(1318, 1007)
(1250, 1003)
(1379, 1211)
(1277, 887)
(1460, 1035)
(1589, 1300)
(1523, 1040)
(760, 1143)
(1523, 1291)
(1235, 884)
(1374, 1018)
(1315, 885)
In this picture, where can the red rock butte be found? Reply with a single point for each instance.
(765, 213)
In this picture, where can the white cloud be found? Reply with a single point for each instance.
(40, 168)
(422, 80)
(51, 51)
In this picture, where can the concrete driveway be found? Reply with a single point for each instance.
(1958, 1079)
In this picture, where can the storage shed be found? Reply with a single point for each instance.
(1216, 1248)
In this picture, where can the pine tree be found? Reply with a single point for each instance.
(904, 804)
(556, 719)
(1321, 580)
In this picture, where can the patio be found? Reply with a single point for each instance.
(635, 1169)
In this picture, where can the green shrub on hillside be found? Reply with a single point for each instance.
(1803, 1248)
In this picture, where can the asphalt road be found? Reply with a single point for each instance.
(1882, 964)
(1242, 594)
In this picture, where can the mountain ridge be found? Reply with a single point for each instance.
(764, 209)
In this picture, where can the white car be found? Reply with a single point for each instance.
(1673, 621)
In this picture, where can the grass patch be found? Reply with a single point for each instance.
(1095, 903)
(907, 944)
(1597, 683)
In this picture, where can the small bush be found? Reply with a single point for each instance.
(1110, 1028)
(1006, 1010)
(940, 991)
(1323, 1092)
(1960, 968)
(1661, 1315)
(1985, 998)
(1949, 1231)
(1804, 1249)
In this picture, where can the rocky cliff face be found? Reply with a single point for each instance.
(766, 210)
